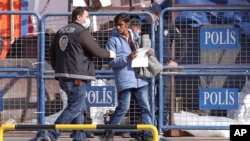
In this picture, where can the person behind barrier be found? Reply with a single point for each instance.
(171, 36)
(71, 54)
(136, 24)
(127, 83)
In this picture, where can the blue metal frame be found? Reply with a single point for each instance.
(34, 72)
(99, 73)
(189, 70)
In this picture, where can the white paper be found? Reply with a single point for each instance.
(142, 58)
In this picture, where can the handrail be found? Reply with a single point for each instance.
(5, 127)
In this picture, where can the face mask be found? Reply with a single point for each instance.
(87, 23)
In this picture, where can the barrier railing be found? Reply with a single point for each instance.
(27, 59)
(201, 64)
(9, 127)
(101, 37)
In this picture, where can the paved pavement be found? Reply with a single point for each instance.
(25, 136)
(128, 139)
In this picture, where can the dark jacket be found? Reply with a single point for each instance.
(72, 51)
(170, 35)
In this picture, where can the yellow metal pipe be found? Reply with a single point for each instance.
(1, 133)
(75, 126)
(8, 126)
(150, 127)
(4, 127)
(155, 133)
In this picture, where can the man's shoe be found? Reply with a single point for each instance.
(147, 138)
(42, 136)
(90, 135)
(162, 138)
(126, 135)
(108, 137)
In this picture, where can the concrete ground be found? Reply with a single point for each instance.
(128, 139)
(25, 136)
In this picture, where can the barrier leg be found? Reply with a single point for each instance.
(1, 133)
(5, 127)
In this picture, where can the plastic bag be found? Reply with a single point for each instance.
(243, 111)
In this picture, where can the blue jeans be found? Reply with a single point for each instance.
(124, 97)
(74, 111)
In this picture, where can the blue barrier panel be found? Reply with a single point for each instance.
(100, 96)
(210, 79)
(219, 38)
(215, 98)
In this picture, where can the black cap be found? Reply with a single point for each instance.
(154, 8)
(136, 21)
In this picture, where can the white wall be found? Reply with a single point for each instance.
(50, 6)
(42, 7)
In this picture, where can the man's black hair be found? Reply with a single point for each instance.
(78, 11)
(122, 17)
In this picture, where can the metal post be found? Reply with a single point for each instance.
(131, 2)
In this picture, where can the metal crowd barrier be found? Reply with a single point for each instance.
(11, 127)
(206, 63)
